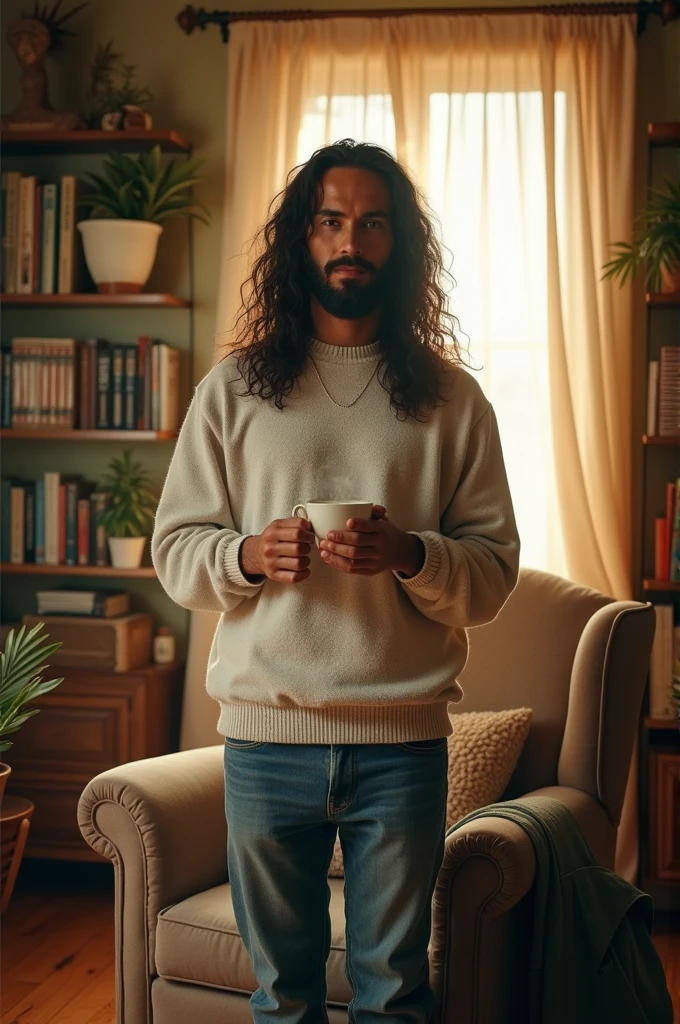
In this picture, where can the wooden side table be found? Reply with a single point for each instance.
(15, 820)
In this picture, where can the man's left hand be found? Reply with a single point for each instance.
(371, 546)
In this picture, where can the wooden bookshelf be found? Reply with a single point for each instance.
(41, 569)
(91, 140)
(659, 439)
(662, 723)
(663, 133)
(136, 300)
(53, 434)
(661, 585)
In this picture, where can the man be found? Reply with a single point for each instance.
(334, 666)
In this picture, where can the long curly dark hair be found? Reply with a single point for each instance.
(417, 339)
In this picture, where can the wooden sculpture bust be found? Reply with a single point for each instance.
(30, 40)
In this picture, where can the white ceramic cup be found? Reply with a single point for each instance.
(332, 515)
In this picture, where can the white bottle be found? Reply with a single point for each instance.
(163, 646)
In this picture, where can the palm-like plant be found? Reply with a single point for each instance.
(140, 188)
(130, 507)
(656, 243)
(21, 663)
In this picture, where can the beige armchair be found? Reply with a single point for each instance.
(576, 657)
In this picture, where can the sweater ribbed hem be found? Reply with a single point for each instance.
(365, 723)
(325, 353)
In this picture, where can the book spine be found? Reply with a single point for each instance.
(7, 388)
(142, 344)
(83, 531)
(3, 263)
(17, 383)
(103, 389)
(661, 664)
(117, 355)
(660, 560)
(72, 496)
(66, 233)
(29, 522)
(155, 385)
(44, 378)
(99, 547)
(61, 521)
(130, 388)
(17, 525)
(12, 228)
(25, 244)
(71, 366)
(36, 266)
(92, 384)
(52, 480)
(32, 351)
(675, 537)
(53, 375)
(83, 395)
(40, 521)
(49, 238)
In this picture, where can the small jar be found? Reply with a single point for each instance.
(163, 646)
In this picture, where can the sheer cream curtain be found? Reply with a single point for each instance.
(519, 130)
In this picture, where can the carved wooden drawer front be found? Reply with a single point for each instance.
(665, 815)
(74, 733)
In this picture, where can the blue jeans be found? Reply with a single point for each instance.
(285, 804)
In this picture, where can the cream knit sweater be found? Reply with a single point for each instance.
(337, 658)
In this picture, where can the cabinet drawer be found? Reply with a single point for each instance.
(54, 827)
(74, 734)
(664, 837)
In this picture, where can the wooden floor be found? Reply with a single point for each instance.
(56, 963)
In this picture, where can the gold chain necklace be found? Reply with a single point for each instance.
(343, 405)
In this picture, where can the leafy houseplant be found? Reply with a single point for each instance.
(129, 512)
(112, 86)
(127, 205)
(21, 663)
(656, 242)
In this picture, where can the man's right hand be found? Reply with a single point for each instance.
(280, 552)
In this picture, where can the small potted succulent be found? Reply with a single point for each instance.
(129, 511)
(21, 663)
(127, 205)
(656, 242)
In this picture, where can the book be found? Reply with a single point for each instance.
(25, 239)
(67, 234)
(10, 238)
(117, 358)
(661, 664)
(130, 388)
(99, 548)
(669, 391)
(168, 387)
(674, 573)
(72, 601)
(29, 521)
(16, 513)
(49, 251)
(7, 387)
(103, 407)
(652, 396)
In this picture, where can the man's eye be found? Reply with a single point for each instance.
(374, 223)
(329, 220)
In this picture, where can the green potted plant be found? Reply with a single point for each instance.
(656, 242)
(128, 204)
(21, 664)
(129, 511)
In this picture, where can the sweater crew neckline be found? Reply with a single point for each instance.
(344, 354)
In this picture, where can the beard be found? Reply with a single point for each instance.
(351, 299)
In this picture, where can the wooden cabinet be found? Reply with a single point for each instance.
(664, 839)
(90, 722)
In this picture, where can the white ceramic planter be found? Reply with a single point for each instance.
(119, 253)
(126, 552)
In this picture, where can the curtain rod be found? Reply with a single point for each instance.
(189, 18)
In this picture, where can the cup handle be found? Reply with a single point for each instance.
(295, 513)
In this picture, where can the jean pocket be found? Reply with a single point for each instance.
(425, 746)
(235, 744)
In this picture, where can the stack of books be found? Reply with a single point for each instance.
(73, 601)
(663, 393)
(52, 521)
(40, 242)
(667, 536)
(90, 385)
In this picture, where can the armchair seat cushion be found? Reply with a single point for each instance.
(198, 941)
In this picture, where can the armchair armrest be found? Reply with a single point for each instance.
(481, 922)
(161, 821)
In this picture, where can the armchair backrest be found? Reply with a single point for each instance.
(538, 653)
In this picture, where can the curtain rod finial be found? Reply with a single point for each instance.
(669, 11)
(189, 18)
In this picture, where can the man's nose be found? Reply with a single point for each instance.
(351, 242)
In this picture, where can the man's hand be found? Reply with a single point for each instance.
(280, 552)
(371, 546)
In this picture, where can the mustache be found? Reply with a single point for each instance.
(349, 261)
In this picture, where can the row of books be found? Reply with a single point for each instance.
(663, 393)
(664, 661)
(52, 521)
(667, 536)
(41, 249)
(72, 600)
(90, 385)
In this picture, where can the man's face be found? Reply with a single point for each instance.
(350, 242)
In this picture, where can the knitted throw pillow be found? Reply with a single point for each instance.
(484, 749)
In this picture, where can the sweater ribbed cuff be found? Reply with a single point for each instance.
(232, 565)
(434, 556)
